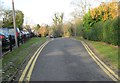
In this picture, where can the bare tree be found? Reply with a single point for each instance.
(81, 7)
(58, 22)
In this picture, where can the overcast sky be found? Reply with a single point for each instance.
(42, 11)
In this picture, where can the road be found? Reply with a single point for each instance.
(66, 60)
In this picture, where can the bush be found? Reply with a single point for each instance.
(116, 29)
(86, 33)
(79, 29)
(104, 31)
(96, 31)
(110, 31)
(107, 31)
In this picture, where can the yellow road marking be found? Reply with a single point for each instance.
(101, 66)
(33, 64)
(30, 61)
(103, 63)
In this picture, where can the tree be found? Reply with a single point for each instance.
(27, 26)
(1, 23)
(1, 12)
(19, 18)
(78, 26)
(8, 18)
(81, 7)
(58, 18)
(51, 30)
(101, 13)
(58, 23)
(105, 11)
(101, 23)
(67, 29)
(36, 28)
(43, 31)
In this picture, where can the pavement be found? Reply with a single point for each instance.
(65, 59)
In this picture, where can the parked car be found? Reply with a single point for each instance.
(26, 34)
(0, 47)
(4, 31)
(18, 33)
(5, 41)
(51, 36)
(10, 31)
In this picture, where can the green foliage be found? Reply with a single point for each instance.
(1, 23)
(38, 26)
(19, 18)
(96, 31)
(79, 27)
(108, 53)
(102, 24)
(104, 31)
(110, 31)
(86, 33)
(116, 29)
(8, 18)
(87, 20)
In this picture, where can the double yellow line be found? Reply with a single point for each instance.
(102, 65)
(29, 67)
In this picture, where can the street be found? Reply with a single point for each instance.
(66, 60)
(49, 40)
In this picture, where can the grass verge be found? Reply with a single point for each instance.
(12, 62)
(106, 52)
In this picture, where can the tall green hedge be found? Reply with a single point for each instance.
(107, 34)
(96, 31)
(106, 31)
(116, 31)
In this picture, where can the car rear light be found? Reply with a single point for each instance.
(1, 37)
(17, 34)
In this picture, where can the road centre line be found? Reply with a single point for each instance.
(29, 63)
(101, 64)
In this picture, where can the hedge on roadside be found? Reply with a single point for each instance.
(116, 29)
(96, 31)
(104, 31)
(110, 31)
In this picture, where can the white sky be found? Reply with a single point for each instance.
(42, 11)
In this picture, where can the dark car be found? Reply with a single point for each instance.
(26, 34)
(0, 47)
(5, 41)
(10, 31)
(5, 31)
(18, 33)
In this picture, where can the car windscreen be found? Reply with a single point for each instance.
(1, 32)
(4, 31)
(11, 31)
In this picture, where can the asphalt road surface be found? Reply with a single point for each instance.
(66, 60)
